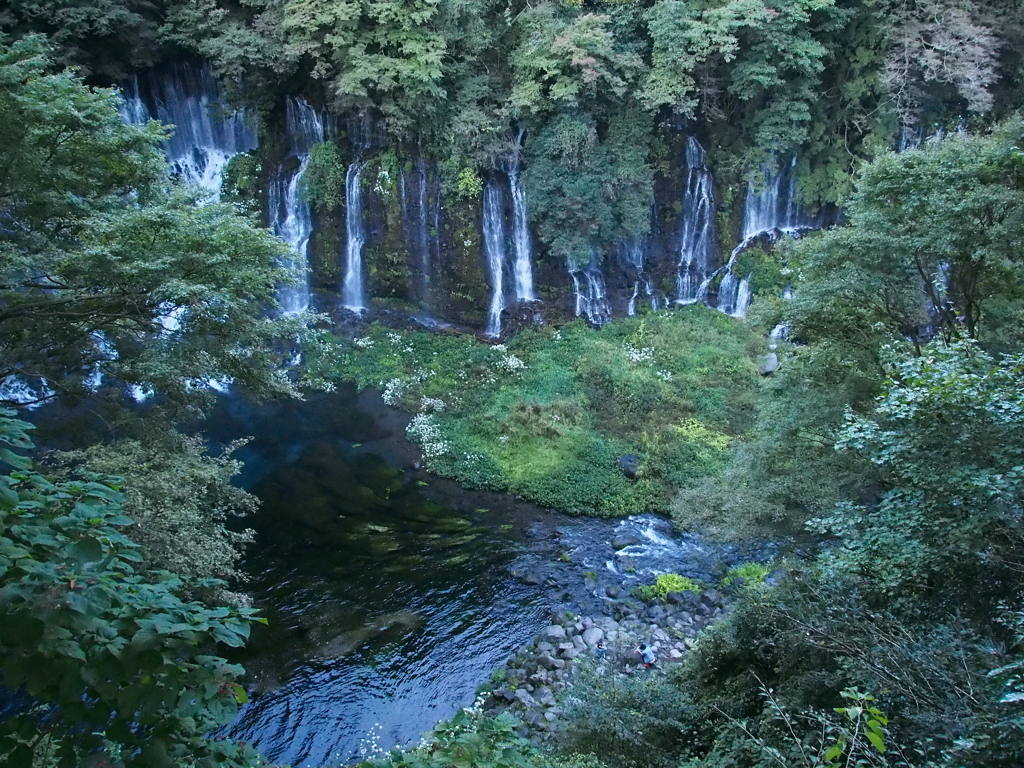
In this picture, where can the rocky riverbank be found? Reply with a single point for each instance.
(534, 682)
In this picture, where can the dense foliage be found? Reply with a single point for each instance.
(891, 431)
(592, 83)
(108, 269)
(550, 415)
(113, 276)
(113, 667)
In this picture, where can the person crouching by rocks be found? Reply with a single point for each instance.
(600, 650)
(646, 655)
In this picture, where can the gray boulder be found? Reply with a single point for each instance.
(553, 634)
(769, 365)
(592, 636)
(621, 542)
(630, 465)
(548, 662)
(525, 698)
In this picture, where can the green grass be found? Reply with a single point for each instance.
(548, 415)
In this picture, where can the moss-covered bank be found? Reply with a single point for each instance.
(605, 422)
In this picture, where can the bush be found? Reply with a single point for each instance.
(669, 582)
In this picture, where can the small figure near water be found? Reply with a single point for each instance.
(647, 655)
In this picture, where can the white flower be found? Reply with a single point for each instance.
(394, 391)
(666, 375)
(364, 343)
(510, 364)
(435, 404)
(638, 355)
(425, 430)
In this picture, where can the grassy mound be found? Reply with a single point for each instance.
(549, 415)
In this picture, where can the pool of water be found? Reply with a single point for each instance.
(389, 593)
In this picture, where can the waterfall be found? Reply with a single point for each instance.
(496, 252)
(522, 244)
(632, 256)
(697, 242)
(414, 194)
(355, 238)
(290, 215)
(772, 207)
(590, 292)
(364, 135)
(769, 210)
(204, 138)
(133, 109)
(304, 126)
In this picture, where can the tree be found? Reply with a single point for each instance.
(107, 267)
(118, 668)
(106, 38)
(948, 436)
(179, 499)
(933, 237)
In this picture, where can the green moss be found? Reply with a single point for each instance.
(548, 416)
(766, 276)
(669, 582)
(324, 257)
(323, 183)
(387, 272)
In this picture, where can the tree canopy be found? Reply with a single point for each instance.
(109, 270)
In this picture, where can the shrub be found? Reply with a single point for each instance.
(669, 582)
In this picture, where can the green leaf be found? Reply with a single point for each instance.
(87, 550)
(877, 740)
(834, 752)
(15, 460)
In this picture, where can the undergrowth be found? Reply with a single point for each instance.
(549, 414)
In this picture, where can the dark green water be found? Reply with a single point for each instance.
(387, 609)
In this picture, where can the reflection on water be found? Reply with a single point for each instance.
(386, 610)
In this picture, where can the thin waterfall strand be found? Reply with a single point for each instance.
(496, 253)
(290, 215)
(591, 292)
(353, 297)
(522, 244)
(697, 241)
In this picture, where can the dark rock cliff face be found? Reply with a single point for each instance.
(423, 251)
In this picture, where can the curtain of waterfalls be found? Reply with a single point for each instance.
(204, 138)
